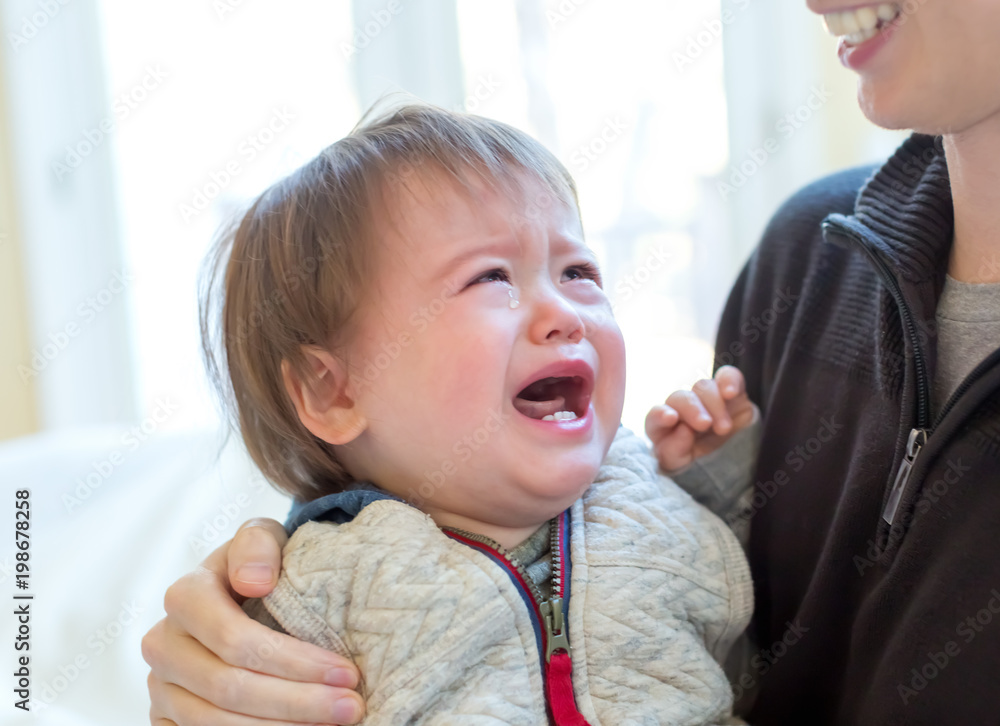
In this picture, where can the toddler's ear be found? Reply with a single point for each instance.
(323, 399)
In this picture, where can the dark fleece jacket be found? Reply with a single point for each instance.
(860, 621)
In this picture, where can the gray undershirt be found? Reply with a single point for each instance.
(968, 319)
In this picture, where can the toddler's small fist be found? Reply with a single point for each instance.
(694, 423)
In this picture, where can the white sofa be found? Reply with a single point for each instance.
(116, 516)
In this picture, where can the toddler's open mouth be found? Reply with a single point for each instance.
(555, 398)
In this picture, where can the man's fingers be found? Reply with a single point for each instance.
(199, 605)
(186, 709)
(254, 559)
(194, 680)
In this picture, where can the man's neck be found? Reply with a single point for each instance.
(974, 169)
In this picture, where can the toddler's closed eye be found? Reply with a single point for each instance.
(583, 271)
(496, 275)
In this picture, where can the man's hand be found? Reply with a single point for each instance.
(212, 664)
(694, 423)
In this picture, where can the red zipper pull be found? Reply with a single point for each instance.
(559, 683)
(559, 667)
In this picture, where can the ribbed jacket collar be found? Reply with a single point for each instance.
(907, 204)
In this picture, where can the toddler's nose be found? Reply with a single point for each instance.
(555, 319)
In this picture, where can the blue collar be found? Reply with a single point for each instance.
(338, 508)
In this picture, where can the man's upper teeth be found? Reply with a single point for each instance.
(862, 23)
(560, 416)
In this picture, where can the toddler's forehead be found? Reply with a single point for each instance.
(434, 218)
(429, 227)
(516, 199)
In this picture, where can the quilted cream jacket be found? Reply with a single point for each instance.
(659, 591)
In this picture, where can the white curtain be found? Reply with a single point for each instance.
(669, 115)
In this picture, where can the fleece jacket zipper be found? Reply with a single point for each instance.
(919, 437)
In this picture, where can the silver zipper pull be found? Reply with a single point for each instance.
(918, 437)
(555, 632)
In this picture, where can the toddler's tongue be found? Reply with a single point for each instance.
(540, 409)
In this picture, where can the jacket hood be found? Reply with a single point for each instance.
(338, 508)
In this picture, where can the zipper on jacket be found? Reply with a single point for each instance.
(905, 314)
(921, 433)
(549, 615)
(556, 637)
(918, 437)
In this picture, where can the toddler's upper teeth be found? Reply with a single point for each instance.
(560, 416)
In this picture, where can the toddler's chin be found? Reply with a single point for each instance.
(569, 485)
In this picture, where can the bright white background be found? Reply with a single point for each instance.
(653, 105)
